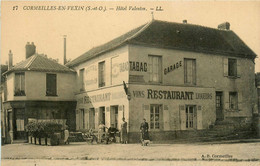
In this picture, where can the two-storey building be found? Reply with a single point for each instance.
(180, 77)
(38, 89)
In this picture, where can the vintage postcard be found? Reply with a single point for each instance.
(130, 83)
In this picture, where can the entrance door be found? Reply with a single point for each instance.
(102, 117)
(114, 116)
(18, 124)
(219, 106)
(190, 116)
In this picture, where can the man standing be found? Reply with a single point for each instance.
(144, 130)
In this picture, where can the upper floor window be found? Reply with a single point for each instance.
(233, 100)
(232, 67)
(155, 68)
(19, 89)
(51, 85)
(101, 74)
(190, 71)
(81, 80)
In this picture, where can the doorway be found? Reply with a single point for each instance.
(102, 117)
(219, 106)
(114, 116)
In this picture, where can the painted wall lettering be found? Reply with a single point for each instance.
(203, 96)
(172, 67)
(138, 94)
(138, 66)
(174, 95)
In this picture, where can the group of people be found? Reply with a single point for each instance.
(123, 132)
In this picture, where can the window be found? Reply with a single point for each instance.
(19, 84)
(233, 100)
(155, 68)
(81, 80)
(190, 116)
(155, 111)
(190, 71)
(101, 74)
(232, 67)
(51, 85)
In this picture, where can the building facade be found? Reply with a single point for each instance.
(179, 77)
(37, 89)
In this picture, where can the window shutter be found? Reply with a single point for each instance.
(199, 118)
(86, 118)
(226, 100)
(240, 101)
(182, 117)
(96, 118)
(107, 117)
(77, 119)
(166, 118)
(238, 68)
(147, 114)
(225, 66)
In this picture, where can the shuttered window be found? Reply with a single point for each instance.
(155, 68)
(81, 79)
(51, 85)
(233, 100)
(232, 67)
(19, 84)
(101, 74)
(190, 71)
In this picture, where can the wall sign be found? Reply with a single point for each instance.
(172, 67)
(174, 95)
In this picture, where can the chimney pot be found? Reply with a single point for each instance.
(224, 26)
(10, 62)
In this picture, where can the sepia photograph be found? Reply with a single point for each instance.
(130, 83)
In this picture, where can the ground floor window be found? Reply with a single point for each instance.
(155, 111)
(102, 116)
(190, 116)
(114, 116)
(233, 101)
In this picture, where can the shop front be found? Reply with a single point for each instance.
(170, 110)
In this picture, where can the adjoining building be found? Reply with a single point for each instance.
(180, 77)
(37, 89)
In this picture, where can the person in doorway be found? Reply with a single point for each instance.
(144, 130)
(124, 131)
(101, 131)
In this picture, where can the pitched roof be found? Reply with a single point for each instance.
(40, 63)
(178, 36)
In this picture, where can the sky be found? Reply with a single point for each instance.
(87, 29)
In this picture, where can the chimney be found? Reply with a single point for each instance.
(184, 21)
(10, 63)
(65, 60)
(30, 49)
(224, 26)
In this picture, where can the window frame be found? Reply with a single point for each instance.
(19, 91)
(160, 69)
(51, 93)
(194, 71)
(153, 120)
(234, 94)
(101, 74)
(234, 67)
(81, 79)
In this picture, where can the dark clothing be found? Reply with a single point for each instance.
(144, 130)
